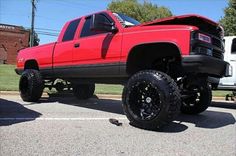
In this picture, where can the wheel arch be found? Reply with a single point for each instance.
(31, 64)
(143, 56)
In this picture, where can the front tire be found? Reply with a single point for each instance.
(199, 100)
(31, 85)
(84, 91)
(151, 99)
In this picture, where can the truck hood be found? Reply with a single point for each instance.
(203, 23)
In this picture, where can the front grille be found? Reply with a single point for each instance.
(200, 47)
(218, 54)
(217, 42)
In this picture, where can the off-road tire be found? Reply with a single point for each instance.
(83, 91)
(31, 85)
(163, 93)
(198, 103)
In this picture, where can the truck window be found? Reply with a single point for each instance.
(86, 31)
(70, 31)
(233, 48)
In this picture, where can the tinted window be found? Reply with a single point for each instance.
(126, 21)
(86, 31)
(70, 31)
(233, 48)
(103, 18)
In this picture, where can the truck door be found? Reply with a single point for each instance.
(63, 51)
(97, 54)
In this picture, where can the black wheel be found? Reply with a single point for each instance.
(151, 99)
(31, 85)
(83, 91)
(198, 100)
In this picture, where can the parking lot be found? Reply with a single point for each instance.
(66, 126)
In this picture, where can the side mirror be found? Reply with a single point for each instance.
(99, 23)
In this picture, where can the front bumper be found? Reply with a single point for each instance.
(205, 65)
(227, 87)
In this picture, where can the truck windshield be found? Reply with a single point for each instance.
(126, 21)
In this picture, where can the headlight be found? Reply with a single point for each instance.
(204, 38)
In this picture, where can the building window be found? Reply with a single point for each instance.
(233, 48)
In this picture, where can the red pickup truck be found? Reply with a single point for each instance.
(164, 64)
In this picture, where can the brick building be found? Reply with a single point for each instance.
(12, 39)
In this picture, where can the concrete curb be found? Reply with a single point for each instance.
(107, 96)
(14, 93)
(9, 93)
(119, 97)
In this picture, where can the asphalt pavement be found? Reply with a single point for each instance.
(67, 126)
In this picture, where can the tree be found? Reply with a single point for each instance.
(229, 19)
(36, 39)
(142, 12)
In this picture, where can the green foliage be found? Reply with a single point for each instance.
(229, 19)
(142, 12)
(36, 39)
(108, 89)
(8, 78)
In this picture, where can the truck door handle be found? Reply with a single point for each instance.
(76, 45)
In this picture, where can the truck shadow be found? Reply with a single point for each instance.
(12, 113)
(106, 105)
(208, 119)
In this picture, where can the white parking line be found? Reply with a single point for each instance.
(60, 119)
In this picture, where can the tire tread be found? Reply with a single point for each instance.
(174, 101)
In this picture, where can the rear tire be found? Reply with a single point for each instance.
(84, 91)
(151, 99)
(199, 101)
(31, 85)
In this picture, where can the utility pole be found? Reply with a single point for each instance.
(32, 24)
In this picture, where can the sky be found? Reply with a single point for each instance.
(51, 15)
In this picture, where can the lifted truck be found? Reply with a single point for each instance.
(163, 64)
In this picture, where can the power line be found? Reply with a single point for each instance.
(47, 34)
(53, 30)
(74, 4)
(58, 31)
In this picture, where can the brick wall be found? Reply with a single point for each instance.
(12, 39)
